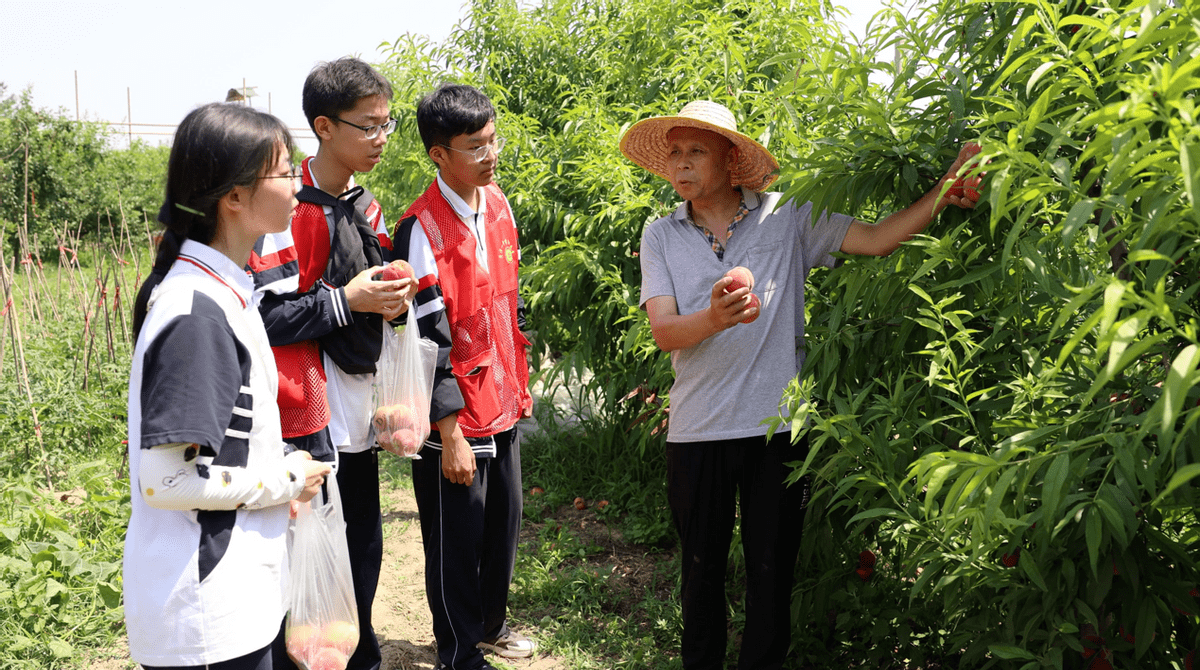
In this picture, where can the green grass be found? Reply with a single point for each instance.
(600, 584)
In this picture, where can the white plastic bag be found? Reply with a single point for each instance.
(322, 620)
(403, 389)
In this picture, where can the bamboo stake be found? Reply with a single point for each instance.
(43, 283)
(127, 239)
(4, 332)
(66, 263)
(19, 355)
(112, 354)
(89, 334)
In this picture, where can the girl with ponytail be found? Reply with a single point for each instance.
(205, 552)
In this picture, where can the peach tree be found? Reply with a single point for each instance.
(1004, 412)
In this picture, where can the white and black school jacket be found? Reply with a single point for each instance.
(203, 586)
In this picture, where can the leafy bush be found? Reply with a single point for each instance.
(1005, 410)
(64, 501)
(78, 186)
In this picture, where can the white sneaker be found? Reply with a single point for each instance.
(513, 645)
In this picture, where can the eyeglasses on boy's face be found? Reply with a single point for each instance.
(371, 131)
(480, 153)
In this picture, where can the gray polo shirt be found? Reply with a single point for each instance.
(727, 385)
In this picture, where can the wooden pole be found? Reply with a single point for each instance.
(19, 355)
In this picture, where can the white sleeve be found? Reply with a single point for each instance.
(420, 256)
(173, 477)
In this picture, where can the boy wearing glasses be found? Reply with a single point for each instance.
(461, 239)
(325, 315)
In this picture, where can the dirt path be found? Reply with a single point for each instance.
(401, 614)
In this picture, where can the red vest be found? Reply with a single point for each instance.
(303, 402)
(488, 350)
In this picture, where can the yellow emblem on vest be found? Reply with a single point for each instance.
(508, 252)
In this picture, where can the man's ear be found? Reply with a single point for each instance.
(323, 127)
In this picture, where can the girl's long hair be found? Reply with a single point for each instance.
(217, 146)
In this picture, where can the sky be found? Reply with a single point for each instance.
(153, 62)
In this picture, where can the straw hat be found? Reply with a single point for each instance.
(645, 143)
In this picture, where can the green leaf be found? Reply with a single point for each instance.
(1116, 524)
(1037, 74)
(999, 491)
(110, 594)
(1182, 476)
(1093, 533)
(873, 513)
(1052, 487)
(1080, 214)
(1030, 567)
(54, 587)
(60, 648)
(1009, 652)
(1180, 380)
(1147, 622)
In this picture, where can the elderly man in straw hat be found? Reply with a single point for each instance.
(732, 359)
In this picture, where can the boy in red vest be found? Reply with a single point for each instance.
(325, 315)
(461, 239)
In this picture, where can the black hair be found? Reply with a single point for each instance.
(217, 146)
(450, 111)
(336, 87)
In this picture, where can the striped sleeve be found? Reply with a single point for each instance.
(274, 263)
(374, 214)
(289, 315)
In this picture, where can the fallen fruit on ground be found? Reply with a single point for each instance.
(602, 504)
(580, 503)
(536, 491)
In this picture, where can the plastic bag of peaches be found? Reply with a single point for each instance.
(322, 622)
(403, 389)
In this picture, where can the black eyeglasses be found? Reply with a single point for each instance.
(371, 131)
(294, 174)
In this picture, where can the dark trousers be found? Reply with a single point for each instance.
(358, 483)
(470, 536)
(703, 483)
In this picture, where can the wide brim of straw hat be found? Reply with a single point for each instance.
(645, 143)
